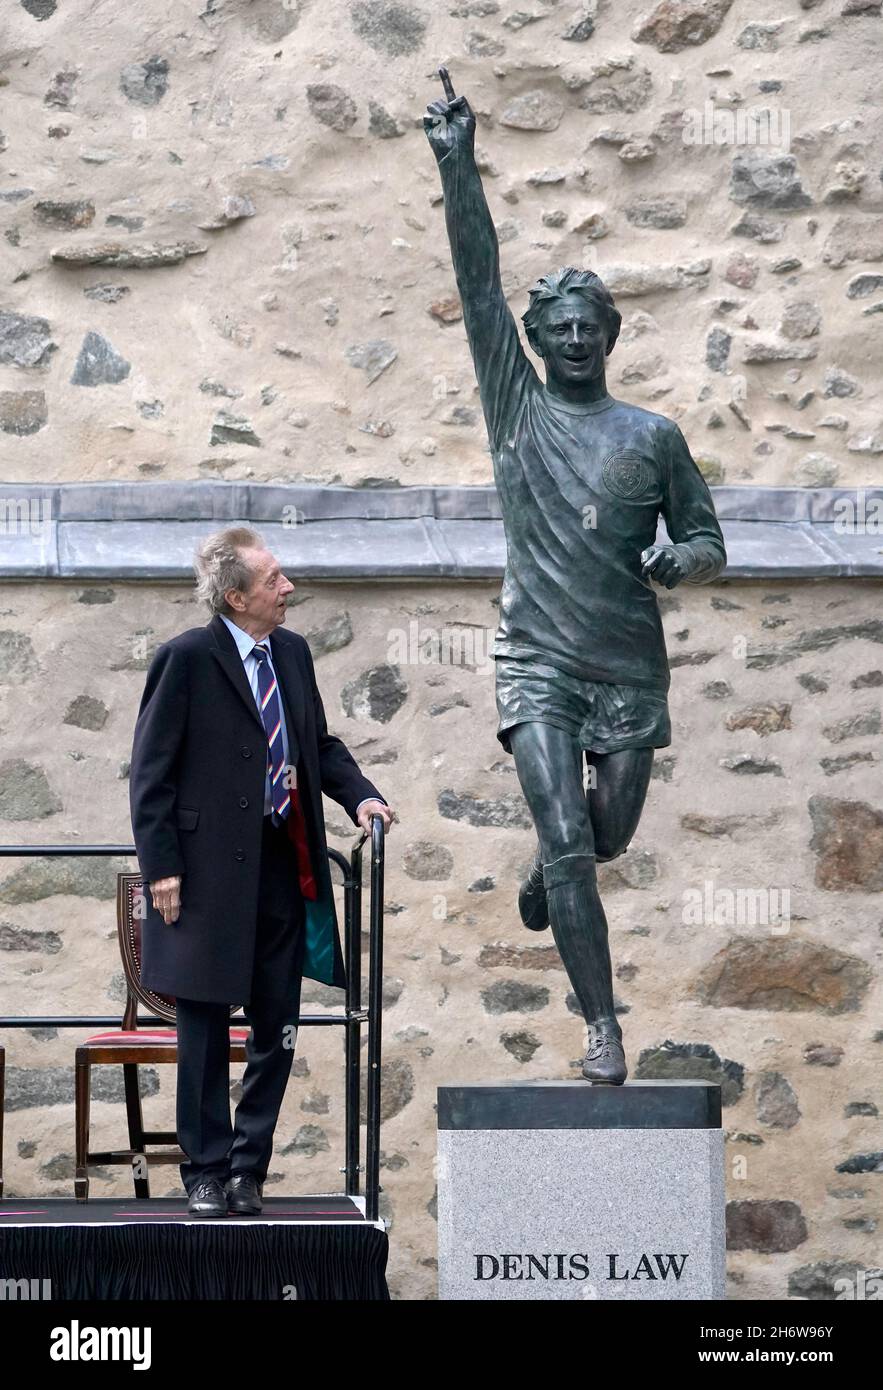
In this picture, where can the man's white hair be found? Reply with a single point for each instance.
(220, 565)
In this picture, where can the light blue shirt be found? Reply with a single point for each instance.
(246, 644)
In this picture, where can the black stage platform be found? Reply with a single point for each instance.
(298, 1248)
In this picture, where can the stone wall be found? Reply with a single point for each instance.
(745, 917)
(225, 258)
(225, 255)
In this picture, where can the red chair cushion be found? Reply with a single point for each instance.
(149, 1038)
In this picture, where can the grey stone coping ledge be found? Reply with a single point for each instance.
(148, 531)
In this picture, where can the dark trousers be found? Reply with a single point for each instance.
(213, 1146)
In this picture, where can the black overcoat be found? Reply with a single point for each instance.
(196, 793)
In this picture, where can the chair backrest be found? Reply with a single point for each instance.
(131, 912)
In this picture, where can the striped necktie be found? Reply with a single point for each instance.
(285, 800)
(271, 714)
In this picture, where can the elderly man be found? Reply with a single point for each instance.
(231, 756)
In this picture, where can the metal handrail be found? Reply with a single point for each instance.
(351, 1019)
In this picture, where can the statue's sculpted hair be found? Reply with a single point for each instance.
(567, 279)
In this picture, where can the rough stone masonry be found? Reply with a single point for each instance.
(223, 258)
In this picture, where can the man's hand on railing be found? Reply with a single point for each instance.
(166, 895)
(375, 808)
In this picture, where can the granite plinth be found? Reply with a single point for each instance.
(562, 1190)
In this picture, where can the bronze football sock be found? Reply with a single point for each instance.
(579, 927)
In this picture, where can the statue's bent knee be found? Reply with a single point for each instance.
(568, 869)
(606, 853)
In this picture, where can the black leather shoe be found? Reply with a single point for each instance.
(207, 1199)
(244, 1194)
(532, 906)
(605, 1060)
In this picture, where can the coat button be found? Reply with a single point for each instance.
(239, 854)
(243, 801)
(246, 752)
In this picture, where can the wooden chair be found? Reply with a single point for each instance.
(131, 1047)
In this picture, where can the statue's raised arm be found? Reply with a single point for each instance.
(502, 368)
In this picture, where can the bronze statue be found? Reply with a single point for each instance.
(581, 666)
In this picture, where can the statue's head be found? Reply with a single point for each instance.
(572, 323)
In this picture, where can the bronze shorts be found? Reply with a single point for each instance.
(604, 717)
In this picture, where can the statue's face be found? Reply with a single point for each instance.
(572, 340)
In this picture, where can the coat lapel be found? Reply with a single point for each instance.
(227, 653)
(287, 669)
